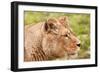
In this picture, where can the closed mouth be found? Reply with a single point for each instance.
(72, 53)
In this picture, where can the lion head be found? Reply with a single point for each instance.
(59, 39)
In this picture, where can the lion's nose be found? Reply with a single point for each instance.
(78, 44)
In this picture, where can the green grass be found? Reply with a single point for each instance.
(80, 23)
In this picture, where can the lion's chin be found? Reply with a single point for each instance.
(73, 56)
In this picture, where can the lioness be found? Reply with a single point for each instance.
(49, 40)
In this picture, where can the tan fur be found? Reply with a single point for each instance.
(51, 39)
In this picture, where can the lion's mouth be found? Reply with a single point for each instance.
(73, 52)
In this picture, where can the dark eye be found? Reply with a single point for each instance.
(66, 35)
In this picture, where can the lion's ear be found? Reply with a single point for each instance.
(64, 20)
(50, 24)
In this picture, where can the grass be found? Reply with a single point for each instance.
(80, 23)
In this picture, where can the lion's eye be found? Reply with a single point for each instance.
(66, 35)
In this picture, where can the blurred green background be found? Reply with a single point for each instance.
(80, 23)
